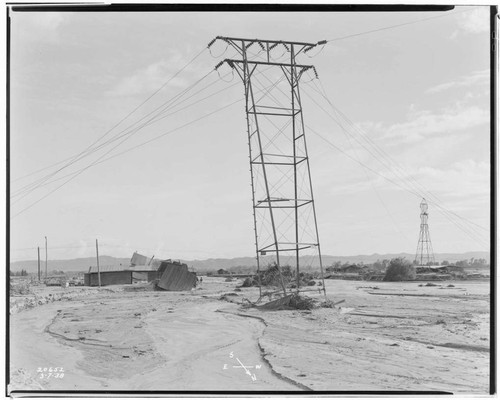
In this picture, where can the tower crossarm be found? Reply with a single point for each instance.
(242, 44)
(300, 68)
(231, 63)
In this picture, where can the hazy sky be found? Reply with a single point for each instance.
(419, 92)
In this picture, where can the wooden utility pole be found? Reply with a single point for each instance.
(98, 271)
(46, 258)
(38, 264)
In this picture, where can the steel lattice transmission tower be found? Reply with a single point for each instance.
(285, 221)
(424, 253)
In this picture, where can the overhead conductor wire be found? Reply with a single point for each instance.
(408, 186)
(100, 159)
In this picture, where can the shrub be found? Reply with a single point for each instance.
(271, 276)
(399, 269)
(248, 282)
(21, 288)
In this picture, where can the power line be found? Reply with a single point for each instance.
(87, 152)
(100, 159)
(164, 116)
(152, 120)
(416, 188)
(397, 25)
(392, 164)
(124, 118)
(125, 132)
(357, 159)
(406, 185)
(374, 187)
(43, 182)
(416, 194)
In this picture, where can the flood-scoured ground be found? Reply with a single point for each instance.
(385, 336)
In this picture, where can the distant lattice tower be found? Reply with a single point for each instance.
(425, 254)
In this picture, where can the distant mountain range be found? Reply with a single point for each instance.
(213, 264)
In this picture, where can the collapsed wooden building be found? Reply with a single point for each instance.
(165, 274)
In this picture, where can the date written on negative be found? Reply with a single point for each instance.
(50, 372)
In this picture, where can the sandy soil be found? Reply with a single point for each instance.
(385, 336)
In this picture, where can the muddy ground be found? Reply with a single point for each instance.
(385, 336)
